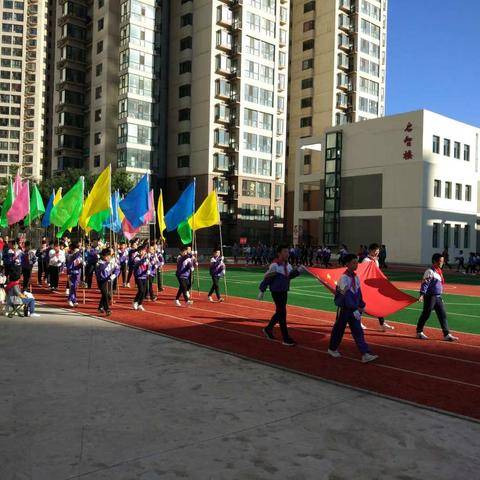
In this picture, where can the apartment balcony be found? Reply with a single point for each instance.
(224, 41)
(236, 3)
(236, 24)
(344, 22)
(343, 101)
(235, 97)
(283, 16)
(344, 42)
(222, 114)
(221, 162)
(343, 81)
(345, 5)
(224, 16)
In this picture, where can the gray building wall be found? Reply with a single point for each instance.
(355, 231)
(361, 192)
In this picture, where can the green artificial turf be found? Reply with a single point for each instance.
(306, 291)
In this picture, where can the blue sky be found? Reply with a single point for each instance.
(433, 58)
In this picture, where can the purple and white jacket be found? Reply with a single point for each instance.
(104, 270)
(185, 266)
(217, 267)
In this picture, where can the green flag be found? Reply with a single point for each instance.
(37, 208)
(67, 211)
(185, 232)
(97, 220)
(7, 204)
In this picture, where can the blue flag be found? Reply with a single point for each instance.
(46, 216)
(113, 222)
(135, 204)
(182, 210)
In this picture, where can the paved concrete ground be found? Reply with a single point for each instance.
(81, 398)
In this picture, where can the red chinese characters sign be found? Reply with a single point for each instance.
(408, 142)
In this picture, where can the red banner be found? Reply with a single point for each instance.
(380, 295)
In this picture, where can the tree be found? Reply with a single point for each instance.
(66, 179)
(122, 182)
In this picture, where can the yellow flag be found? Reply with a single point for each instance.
(99, 198)
(161, 216)
(58, 196)
(207, 213)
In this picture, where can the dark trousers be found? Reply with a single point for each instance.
(105, 298)
(159, 280)
(381, 320)
(41, 270)
(27, 274)
(215, 288)
(280, 315)
(150, 293)
(74, 282)
(123, 270)
(54, 274)
(130, 273)
(430, 303)
(89, 271)
(344, 317)
(182, 288)
(141, 290)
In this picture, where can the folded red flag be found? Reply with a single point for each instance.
(380, 295)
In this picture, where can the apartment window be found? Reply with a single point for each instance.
(307, 83)
(249, 165)
(437, 188)
(456, 236)
(279, 170)
(98, 115)
(184, 138)
(183, 161)
(185, 67)
(435, 235)
(466, 236)
(185, 43)
(184, 90)
(98, 69)
(183, 114)
(308, 63)
(100, 24)
(308, 44)
(446, 235)
(96, 161)
(98, 92)
(436, 144)
(306, 102)
(309, 6)
(446, 147)
(448, 189)
(458, 191)
(100, 46)
(310, 25)
(97, 138)
(456, 150)
(306, 122)
(186, 19)
(466, 153)
(468, 193)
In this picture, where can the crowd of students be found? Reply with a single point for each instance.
(144, 261)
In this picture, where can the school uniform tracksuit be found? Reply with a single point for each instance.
(140, 270)
(217, 271)
(91, 262)
(432, 290)
(278, 279)
(185, 267)
(105, 271)
(74, 265)
(27, 260)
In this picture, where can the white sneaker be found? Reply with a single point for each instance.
(334, 353)
(210, 299)
(67, 292)
(177, 303)
(450, 338)
(190, 302)
(127, 285)
(75, 304)
(422, 336)
(385, 327)
(71, 303)
(364, 327)
(140, 307)
(135, 305)
(36, 315)
(368, 357)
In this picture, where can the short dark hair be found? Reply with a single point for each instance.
(184, 248)
(373, 246)
(349, 257)
(105, 252)
(436, 257)
(75, 245)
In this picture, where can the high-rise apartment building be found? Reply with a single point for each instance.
(228, 70)
(22, 86)
(109, 89)
(337, 74)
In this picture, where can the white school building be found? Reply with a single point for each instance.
(409, 181)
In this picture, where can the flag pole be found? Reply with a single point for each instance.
(195, 235)
(221, 245)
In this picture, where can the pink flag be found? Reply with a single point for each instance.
(21, 205)
(150, 215)
(128, 229)
(17, 185)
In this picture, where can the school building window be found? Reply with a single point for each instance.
(309, 6)
(436, 144)
(183, 138)
(306, 122)
(96, 161)
(446, 147)
(448, 189)
(468, 193)
(466, 153)
(446, 235)
(307, 64)
(456, 150)
(185, 43)
(458, 191)
(306, 102)
(456, 236)
(308, 44)
(183, 161)
(307, 26)
(437, 188)
(186, 19)
(307, 83)
(466, 236)
(435, 235)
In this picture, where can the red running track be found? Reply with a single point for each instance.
(433, 373)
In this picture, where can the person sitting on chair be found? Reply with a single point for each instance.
(16, 297)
